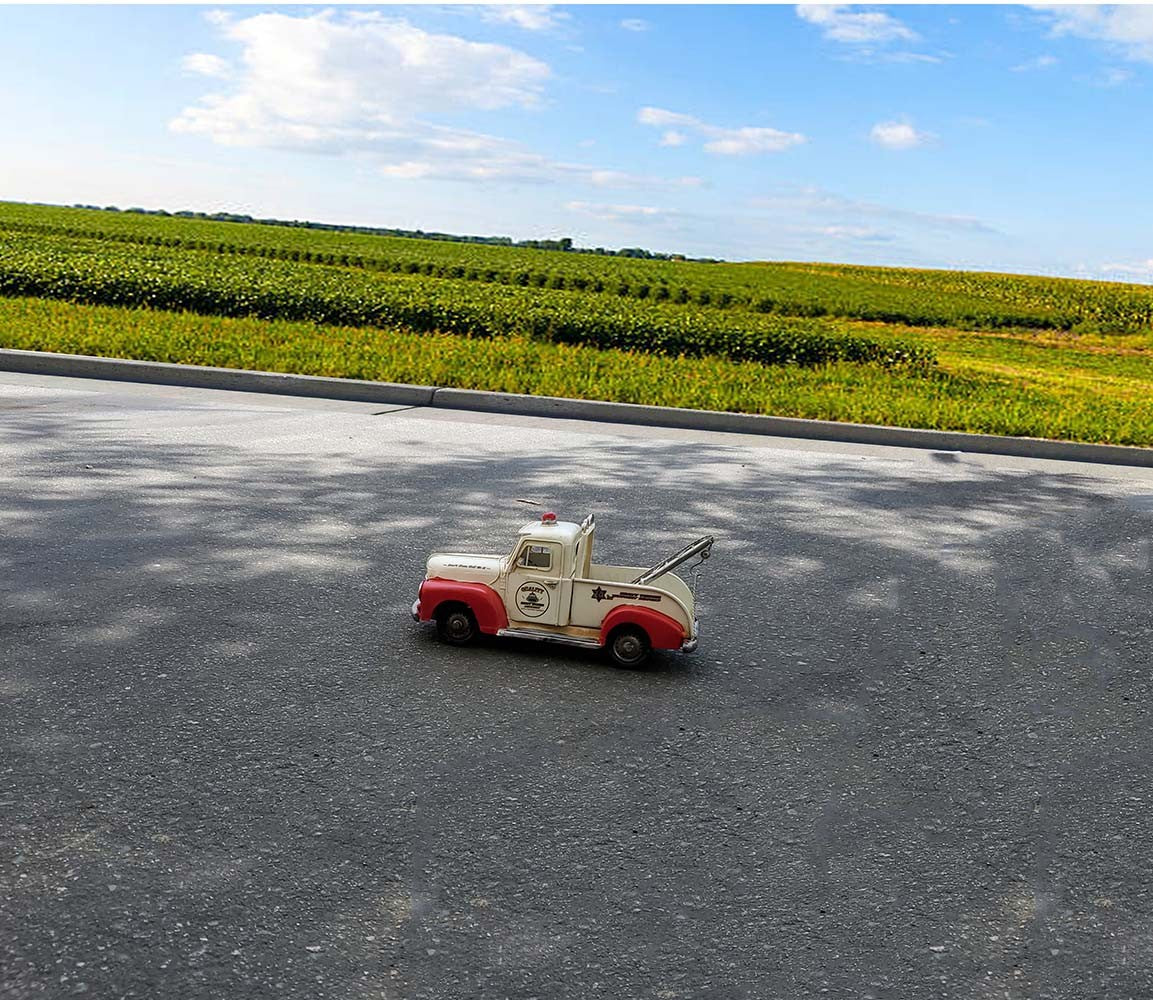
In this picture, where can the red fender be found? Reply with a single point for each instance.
(663, 631)
(482, 600)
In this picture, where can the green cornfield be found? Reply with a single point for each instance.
(96, 271)
(961, 300)
(1007, 354)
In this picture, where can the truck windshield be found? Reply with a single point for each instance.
(536, 557)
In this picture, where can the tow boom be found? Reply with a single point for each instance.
(702, 546)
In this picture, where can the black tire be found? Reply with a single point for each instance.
(628, 646)
(455, 624)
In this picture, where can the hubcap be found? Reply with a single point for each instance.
(459, 626)
(628, 647)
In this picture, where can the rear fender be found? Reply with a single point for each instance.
(482, 600)
(663, 631)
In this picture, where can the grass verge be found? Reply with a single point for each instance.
(988, 390)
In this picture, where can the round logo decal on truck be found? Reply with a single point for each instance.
(532, 600)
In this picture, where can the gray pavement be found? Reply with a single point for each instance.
(911, 759)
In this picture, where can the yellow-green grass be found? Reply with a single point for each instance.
(1113, 367)
(989, 384)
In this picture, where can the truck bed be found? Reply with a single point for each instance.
(669, 595)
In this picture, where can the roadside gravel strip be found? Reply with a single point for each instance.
(78, 366)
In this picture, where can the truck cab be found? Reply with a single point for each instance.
(548, 588)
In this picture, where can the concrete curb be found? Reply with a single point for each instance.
(195, 376)
(80, 366)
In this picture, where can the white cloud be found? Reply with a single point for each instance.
(635, 24)
(618, 213)
(448, 154)
(1127, 29)
(534, 17)
(861, 234)
(1113, 76)
(1140, 269)
(742, 141)
(1040, 62)
(206, 65)
(363, 83)
(340, 81)
(811, 202)
(841, 24)
(898, 135)
(659, 117)
(906, 57)
(720, 141)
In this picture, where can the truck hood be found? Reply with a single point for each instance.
(464, 566)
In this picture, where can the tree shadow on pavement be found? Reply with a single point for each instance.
(911, 758)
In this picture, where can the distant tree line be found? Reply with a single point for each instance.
(564, 244)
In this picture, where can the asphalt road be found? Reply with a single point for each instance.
(911, 759)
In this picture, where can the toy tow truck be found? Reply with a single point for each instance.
(548, 588)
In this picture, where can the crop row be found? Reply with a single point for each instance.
(96, 271)
(964, 300)
(784, 294)
(1064, 303)
(657, 289)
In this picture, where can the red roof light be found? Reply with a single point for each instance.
(549, 518)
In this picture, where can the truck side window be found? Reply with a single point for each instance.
(536, 557)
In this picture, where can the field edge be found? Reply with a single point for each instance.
(518, 404)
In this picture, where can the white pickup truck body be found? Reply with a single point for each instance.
(549, 588)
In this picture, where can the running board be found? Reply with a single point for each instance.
(541, 636)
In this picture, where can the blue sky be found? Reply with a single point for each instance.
(1002, 138)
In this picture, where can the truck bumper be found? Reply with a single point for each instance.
(416, 610)
(690, 644)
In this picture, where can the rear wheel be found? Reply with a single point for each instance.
(628, 646)
(455, 624)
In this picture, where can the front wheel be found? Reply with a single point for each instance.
(628, 646)
(456, 625)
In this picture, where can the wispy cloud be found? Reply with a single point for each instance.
(904, 57)
(720, 141)
(898, 135)
(1112, 76)
(206, 65)
(530, 17)
(840, 23)
(460, 156)
(635, 24)
(362, 83)
(856, 234)
(1142, 269)
(831, 209)
(1040, 62)
(1127, 30)
(865, 36)
(620, 213)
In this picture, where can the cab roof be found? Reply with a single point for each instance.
(565, 532)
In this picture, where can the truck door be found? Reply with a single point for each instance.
(535, 594)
